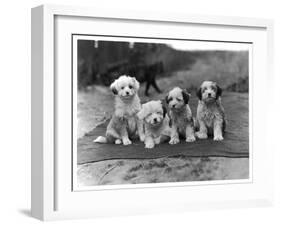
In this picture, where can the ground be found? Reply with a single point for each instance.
(171, 169)
(96, 104)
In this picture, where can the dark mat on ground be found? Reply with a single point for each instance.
(235, 144)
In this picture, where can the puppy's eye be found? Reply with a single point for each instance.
(122, 87)
(130, 86)
(178, 99)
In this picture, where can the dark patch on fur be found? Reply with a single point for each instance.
(168, 99)
(164, 110)
(192, 122)
(170, 122)
(219, 92)
(199, 93)
(114, 91)
(224, 126)
(185, 96)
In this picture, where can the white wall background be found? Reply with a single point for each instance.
(15, 111)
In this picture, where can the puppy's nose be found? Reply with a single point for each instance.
(173, 105)
(127, 93)
(209, 95)
(155, 120)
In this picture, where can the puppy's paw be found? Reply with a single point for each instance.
(157, 140)
(218, 138)
(142, 137)
(118, 141)
(190, 139)
(201, 135)
(127, 141)
(174, 140)
(149, 145)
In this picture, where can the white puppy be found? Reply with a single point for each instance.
(210, 117)
(181, 115)
(156, 122)
(124, 122)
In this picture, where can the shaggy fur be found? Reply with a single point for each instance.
(210, 117)
(156, 123)
(181, 116)
(124, 123)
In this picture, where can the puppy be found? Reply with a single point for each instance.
(156, 123)
(210, 117)
(124, 122)
(181, 115)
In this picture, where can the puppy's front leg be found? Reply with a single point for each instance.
(149, 142)
(112, 135)
(157, 140)
(174, 135)
(218, 130)
(189, 133)
(125, 137)
(202, 133)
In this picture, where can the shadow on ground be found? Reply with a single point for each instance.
(25, 212)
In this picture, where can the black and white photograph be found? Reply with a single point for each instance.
(150, 111)
(143, 112)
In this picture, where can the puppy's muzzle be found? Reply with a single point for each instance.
(127, 94)
(209, 97)
(155, 121)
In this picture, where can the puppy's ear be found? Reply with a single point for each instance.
(113, 88)
(219, 92)
(167, 99)
(137, 84)
(199, 93)
(164, 109)
(185, 96)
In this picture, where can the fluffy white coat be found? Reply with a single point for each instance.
(124, 122)
(156, 123)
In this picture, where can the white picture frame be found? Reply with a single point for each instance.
(53, 196)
